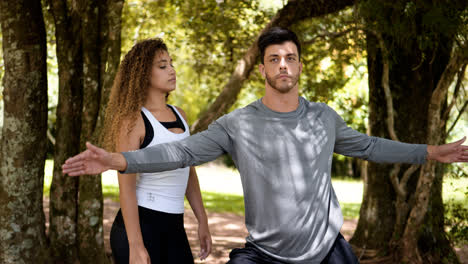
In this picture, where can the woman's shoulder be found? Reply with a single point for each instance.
(133, 124)
(182, 112)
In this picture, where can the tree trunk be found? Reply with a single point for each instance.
(412, 79)
(410, 250)
(377, 214)
(90, 203)
(64, 189)
(96, 53)
(23, 144)
(290, 14)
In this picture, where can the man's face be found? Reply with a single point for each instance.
(281, 67)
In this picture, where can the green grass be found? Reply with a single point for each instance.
(223, 202)
(350, 210)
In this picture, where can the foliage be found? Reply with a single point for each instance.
(431, 22)
(333, 54)
(455, 196)
(456, 222)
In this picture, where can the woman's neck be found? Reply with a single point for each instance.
(155, 101)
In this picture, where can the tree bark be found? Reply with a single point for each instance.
(101, 30)
(90, 203)
(290, 14)
(64, 189)
(23, 144)
(377, 214)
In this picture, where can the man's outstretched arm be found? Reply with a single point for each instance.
(194, 150)
(354, 144)
(93, 160)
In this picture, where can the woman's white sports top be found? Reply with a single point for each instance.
(162, 191)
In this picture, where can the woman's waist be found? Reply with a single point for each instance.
(162, 191)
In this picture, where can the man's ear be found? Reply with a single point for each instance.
(300, 67)
(261, 68)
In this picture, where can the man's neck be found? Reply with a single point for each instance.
(281, 102)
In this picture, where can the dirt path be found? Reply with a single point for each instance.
(227, 230)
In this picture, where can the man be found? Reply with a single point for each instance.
(282, 145)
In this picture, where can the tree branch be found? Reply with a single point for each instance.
(50, 137)
(399, 189)
(461, 76)
(462, 110)
(457, 60)
(399, 186)
(386, 86)
(331, 35)
(408, 173)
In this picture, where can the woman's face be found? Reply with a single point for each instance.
(163, 74)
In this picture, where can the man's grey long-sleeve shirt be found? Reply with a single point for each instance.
(284, 160)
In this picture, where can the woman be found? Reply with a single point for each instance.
(149, 226)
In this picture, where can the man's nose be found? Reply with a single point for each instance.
(283, 65)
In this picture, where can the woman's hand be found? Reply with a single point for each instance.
(205, 240)
(139, 255)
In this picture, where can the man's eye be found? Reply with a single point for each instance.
(291, 58)
(162, 67)
(274, 60)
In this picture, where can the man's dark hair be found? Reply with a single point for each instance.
(277, 35)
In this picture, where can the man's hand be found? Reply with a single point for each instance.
(92, 161)
(205, 240)
(448, 153)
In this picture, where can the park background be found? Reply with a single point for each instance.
(390, 69)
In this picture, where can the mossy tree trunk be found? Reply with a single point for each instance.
(101, 53)
(64, 189)
(23, 143)
(399, 208)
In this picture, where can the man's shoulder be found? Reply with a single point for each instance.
(232, 118)
(315, 106)
(246, 110)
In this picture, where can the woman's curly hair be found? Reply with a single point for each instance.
(130, 88)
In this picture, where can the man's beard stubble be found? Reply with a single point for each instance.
(280, 88)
